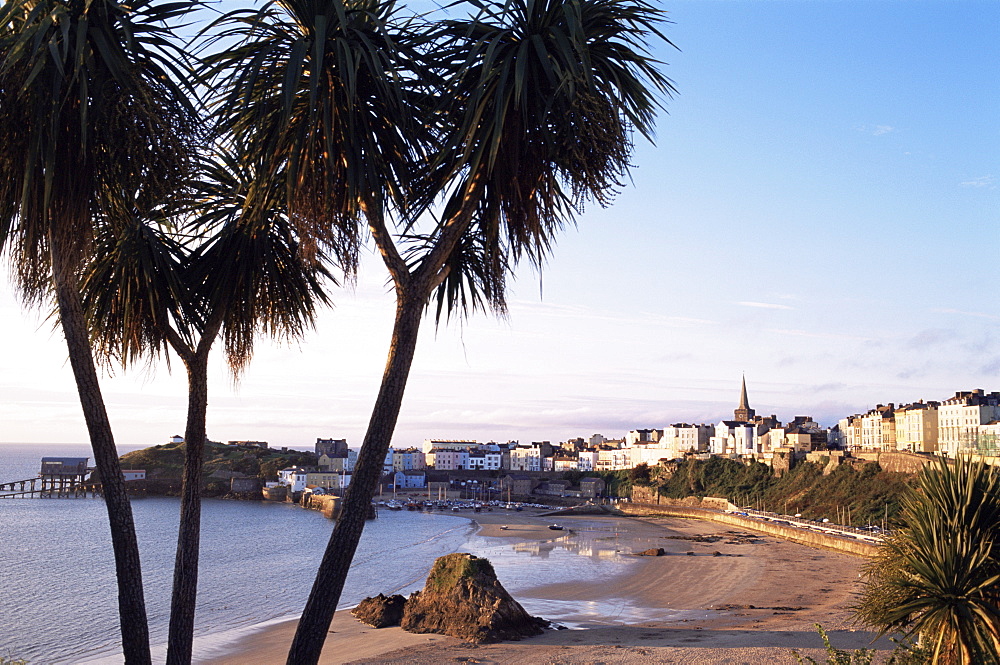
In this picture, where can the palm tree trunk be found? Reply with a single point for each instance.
(184, 597)
(131, 602)
(329, 584)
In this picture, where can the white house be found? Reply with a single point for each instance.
(682, 438)
(960, 417)
(587, 460)
(525, 458)
(295, 477)
(734, 437)
(917, 427)
(648, 453)
(486, 460)
(613, 459)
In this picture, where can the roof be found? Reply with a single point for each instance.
(69, 461)
(744, 403)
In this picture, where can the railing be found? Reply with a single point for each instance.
(827, 527)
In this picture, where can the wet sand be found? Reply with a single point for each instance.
(738, 597)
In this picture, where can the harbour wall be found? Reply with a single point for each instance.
(325, 503)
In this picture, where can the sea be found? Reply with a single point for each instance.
(258, 560)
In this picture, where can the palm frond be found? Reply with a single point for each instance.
(92, 112)
(314, 93)
(252, 271)
(134, 292)
(541, 104)
(939, 577)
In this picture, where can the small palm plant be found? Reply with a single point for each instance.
(938, 578)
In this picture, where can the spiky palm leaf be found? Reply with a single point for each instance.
(91, 113)
(254, 268)
(134, 291)
(939, 577)
(540, 111)
(314, 95)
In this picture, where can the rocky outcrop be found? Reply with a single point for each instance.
(653, 551)
(464, 599)
(381, 611)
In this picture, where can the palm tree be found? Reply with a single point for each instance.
(525, 112)
(148, 288)
(938, 577)
(89, 115)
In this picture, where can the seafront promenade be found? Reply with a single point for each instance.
(718, 595)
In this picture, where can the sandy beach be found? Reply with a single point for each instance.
(719, 595)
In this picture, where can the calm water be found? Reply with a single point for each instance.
(257, 565)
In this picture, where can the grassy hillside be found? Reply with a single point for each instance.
(866, 492)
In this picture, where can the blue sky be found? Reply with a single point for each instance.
(820, 212)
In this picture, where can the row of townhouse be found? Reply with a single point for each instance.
(968, 422)
(538, 456)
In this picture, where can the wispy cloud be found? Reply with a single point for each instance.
(981, 315)
(763, 305)
(876, 130)
(930, 337)
(986, 181)
(815, 335)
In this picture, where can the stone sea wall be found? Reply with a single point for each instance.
(801, 536)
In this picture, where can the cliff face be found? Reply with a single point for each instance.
(464, 599)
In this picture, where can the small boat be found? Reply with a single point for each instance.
(556, 527)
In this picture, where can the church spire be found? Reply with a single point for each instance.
(743, 412)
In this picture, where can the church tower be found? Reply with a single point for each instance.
(743, 412)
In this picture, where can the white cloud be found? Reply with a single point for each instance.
(763, 305)
(986, 181)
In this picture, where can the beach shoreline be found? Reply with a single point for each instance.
(718, 595)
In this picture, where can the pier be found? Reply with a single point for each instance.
(50, 488)
(59, 478)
